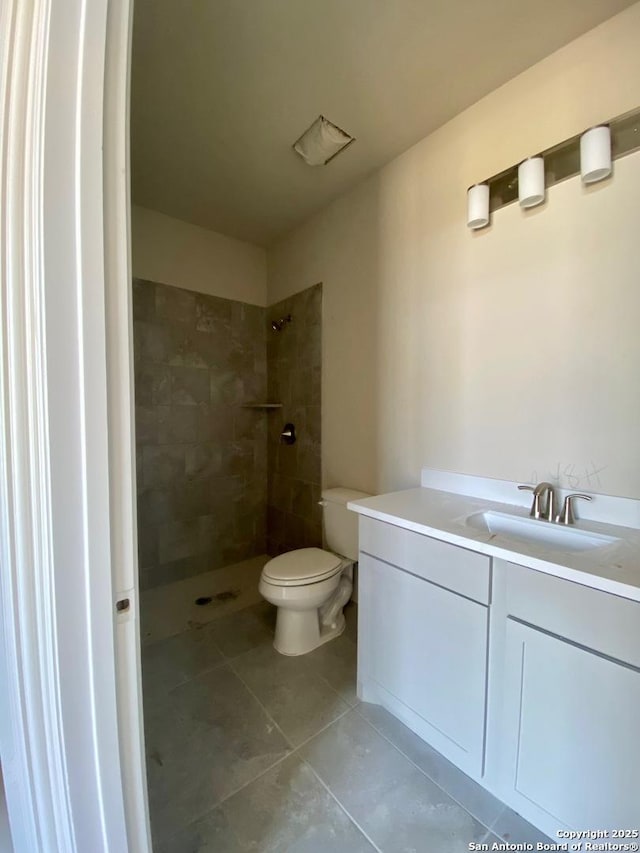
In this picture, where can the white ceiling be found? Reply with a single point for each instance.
(222, 88)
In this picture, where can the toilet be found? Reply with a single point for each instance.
(310, 586)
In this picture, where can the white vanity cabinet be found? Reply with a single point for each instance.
(516, 660)
(423, 637)
(570, 693)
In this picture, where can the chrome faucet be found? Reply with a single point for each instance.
(538, 510)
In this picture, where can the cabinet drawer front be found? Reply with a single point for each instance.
(601, 621)
(448, 565)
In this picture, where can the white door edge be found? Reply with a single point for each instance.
(61, 740)
(122, 457)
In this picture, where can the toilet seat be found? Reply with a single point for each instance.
(301, 567)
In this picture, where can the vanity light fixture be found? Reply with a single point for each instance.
(589, 154)
(478, 206)
(595, 154)
(531, 182)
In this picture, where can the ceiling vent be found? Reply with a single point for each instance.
(321, 142)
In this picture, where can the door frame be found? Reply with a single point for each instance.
(71, 741)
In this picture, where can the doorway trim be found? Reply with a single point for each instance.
(62, 738)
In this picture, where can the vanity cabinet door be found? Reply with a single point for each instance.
(423, 656)
(572, 731)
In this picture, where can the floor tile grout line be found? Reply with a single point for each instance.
(219, 803)
(293, 746)
(292, 752)
(323, 729)
(224, 799)
(251, 781)
(508, 808)
(485, 838)
(333, 689)
(224, 658)
(328, 684)
(424, 773)
(340, 805)
(227, 662)
(317, 674)
(196, 675)
(244, 653)
(193, 677)
(430, 778)
(500, 814)
(262, 773)
(260, 703)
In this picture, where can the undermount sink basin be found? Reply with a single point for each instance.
(553, 535)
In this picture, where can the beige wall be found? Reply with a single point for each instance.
(173, 252)
(513, 352)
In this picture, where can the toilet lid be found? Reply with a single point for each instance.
(306, 565)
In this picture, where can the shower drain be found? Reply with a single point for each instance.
(225, 595)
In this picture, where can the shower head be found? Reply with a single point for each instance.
(278, 325)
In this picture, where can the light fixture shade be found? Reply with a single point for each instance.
(595, 154)
(478, 206)
(531, 182)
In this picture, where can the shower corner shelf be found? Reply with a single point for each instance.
(262, 405)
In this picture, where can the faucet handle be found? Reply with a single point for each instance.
(566, 516)
(535, 506)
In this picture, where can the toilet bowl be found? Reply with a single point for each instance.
(310, 586)
(300, 583)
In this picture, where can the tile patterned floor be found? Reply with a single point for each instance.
(248, 750)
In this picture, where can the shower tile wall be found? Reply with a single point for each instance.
(293, 368)
(202, 461)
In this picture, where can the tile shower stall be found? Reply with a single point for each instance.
(215, 484)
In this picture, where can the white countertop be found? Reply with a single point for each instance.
(442, 515)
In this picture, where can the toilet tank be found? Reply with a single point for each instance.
(341, 524)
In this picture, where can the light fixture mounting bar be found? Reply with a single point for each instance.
(562, 161)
